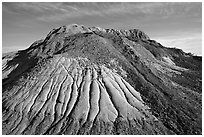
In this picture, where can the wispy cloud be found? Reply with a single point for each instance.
(159, 20)
(60, 11)
(189, 43)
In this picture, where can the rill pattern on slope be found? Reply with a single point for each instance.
(71, 89)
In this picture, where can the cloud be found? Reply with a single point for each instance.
(189, 43)
(6, 49)
(57, 11)
(105, 9)
(154, 18)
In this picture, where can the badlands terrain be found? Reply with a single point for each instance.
(90, 80)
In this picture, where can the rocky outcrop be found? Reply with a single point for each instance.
(75, 29)
(81, 80)
(131, 34)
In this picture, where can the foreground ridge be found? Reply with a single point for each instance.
(88, 95)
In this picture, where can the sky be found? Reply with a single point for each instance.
(171, 24)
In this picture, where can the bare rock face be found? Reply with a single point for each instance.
(81, 80)
(133, 33)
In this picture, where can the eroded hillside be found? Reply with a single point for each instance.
(81, 80)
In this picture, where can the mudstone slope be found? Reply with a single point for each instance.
(81, 80)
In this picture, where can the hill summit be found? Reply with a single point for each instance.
(90, 80)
